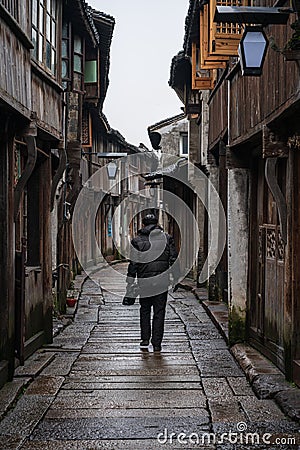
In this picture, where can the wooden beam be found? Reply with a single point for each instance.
(271, 178)
(30, 139)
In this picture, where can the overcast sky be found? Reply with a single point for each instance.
(147, 35)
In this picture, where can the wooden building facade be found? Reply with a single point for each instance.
(253, 148)
(54, 70)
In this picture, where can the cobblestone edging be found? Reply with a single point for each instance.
(267, 381)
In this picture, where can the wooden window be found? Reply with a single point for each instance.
(66, 53)
(91, 71)
(206, 60)
(78, 55)
(184, 143)
(78, 58)
(223, 38)
(202, 78)
(44, 33)
(12, 6)
(91, 74)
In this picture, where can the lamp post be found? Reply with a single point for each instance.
(252, 50)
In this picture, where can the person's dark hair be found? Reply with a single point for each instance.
(150, 219)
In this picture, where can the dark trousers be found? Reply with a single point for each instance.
(159, 303)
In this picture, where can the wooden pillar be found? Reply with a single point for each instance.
(7, 305)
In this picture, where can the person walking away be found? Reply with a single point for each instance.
(152, 237)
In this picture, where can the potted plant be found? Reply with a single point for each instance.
(71, 302)
(71, 297)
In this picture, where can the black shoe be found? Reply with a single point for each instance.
(144, 344)
(157, 349)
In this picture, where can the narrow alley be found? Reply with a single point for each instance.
(93, 388)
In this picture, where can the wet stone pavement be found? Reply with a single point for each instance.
(98, 390)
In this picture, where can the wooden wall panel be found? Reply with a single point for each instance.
(218, 114)
(14, 68)
(46, 103)
(256, 98)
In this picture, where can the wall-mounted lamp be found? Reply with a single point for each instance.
(254, 43)
(112, 169)
(252, 50)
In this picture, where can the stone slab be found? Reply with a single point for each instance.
(35, 364)
(128, 444)
(133, 412)
(29, 410)
(260, 410)
(61, 365)
(10, 442)
(118, 428)
(136, 378)
(130, 399)
(91, 386)
(124, 347)
(158, 372)
(45, 385)
(226, 410)
(9, 393)
(216, 387)
(256, 432)
(240, 385)
(289, 401)
(150, 357)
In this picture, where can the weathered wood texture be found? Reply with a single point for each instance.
(15, 70)
(46, 102)
(257, 100)
(218, 115)
(268, 301)
(20, 12)
(7, 304)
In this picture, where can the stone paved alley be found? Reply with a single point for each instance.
(94, 389)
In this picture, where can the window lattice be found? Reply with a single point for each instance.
(44, 33)
(229, 28)
(12, 7)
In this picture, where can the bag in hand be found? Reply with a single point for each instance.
(132, 292)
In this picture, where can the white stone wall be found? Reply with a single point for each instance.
(238, 238)
(170, 137)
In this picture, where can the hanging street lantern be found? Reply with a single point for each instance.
(254, 43)
(252, 50)
(112, 169)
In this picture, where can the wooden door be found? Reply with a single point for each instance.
(267, 265)
(20, 304)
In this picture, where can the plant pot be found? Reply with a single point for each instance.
(71, 302)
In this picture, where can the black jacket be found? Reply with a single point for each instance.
(162, 242)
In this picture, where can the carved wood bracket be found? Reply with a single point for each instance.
(273, 145)
(30, 139)
(59, 172)
(270, 174)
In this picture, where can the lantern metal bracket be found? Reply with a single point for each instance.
(259, 15)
